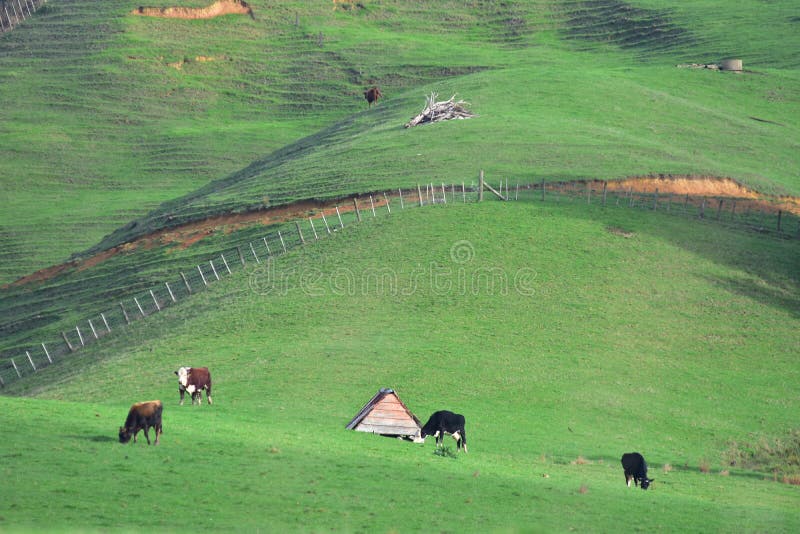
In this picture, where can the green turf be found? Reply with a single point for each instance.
(107, 115)
(563, 342)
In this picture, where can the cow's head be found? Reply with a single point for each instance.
(419, 437)
(183, 375)
(645, 482)
(124, 435)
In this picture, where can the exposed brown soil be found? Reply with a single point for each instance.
(217, 9)
(692, 188)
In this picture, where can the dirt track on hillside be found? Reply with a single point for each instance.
(186, 235)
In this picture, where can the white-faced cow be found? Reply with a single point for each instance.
(142, 416)
(441, 423)
(194, 380)
(372, 95)
(635, 470)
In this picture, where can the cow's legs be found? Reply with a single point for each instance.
(208, 394)
(182, 392)
(158, 431)
(146, 435)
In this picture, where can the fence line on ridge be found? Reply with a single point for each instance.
(740, 213)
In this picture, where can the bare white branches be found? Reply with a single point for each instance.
(441, 111)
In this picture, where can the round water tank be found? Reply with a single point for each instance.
(731, 64)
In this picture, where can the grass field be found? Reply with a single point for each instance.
(564, 342)
(108, 115)
(566, 333)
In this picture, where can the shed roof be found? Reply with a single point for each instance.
(385, 414)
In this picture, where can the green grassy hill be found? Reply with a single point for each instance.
(108, 115)
(566, 336)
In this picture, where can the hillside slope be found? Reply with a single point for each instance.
(108, 114)
(561, 334)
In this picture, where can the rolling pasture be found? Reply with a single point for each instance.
(566, 337)
(567, 334)
(108, 115)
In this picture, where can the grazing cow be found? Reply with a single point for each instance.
(441, 423)
(194, 380)
(372, 95)
(635, 469)
(142, 416)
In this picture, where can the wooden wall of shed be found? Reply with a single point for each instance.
(388, 416)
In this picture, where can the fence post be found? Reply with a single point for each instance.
(341, 224)
(241, 256)
(202, 277)
(543, 188)
(372, 205)
(211, 262)
(169, 290)
(733, 210)
(780, 214)
(269, 253)
(419, 194)
(316, 237)
(80, 336)
(400, 192)
(30, 360)
(686, 204)
(66, 340)
(464, 192)
(186, 282)
(605, 191)
(14, 363)
(328, 228)
(480, 186)
(703, 208)
(49, 359)
(226, 268)
(138, 306)
(588, 192)
(655, 200)
(105, 322)
(155, 300)
(300, 232)
(94, 332)
(127, 319)
(388, 207)
(283, 244)
(444, 194)
(253, 250)
(719, 208)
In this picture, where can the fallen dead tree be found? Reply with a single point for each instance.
(441, 111)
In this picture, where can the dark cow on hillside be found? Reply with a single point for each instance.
(372, 95)
(635, 469)
(441, 423)
(194, 380)
(142, 416)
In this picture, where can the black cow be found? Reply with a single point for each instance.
(441, 423)
(635, 469)
(142, 416)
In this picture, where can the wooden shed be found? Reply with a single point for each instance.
(385, 414)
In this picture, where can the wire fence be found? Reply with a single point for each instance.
(744, 213)
(14, 12)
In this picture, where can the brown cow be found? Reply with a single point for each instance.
(194, 380)
(372, 95)
(142, 416)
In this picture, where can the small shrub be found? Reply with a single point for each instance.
(777, 456)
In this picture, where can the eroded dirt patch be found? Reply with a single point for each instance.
(217, 9)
